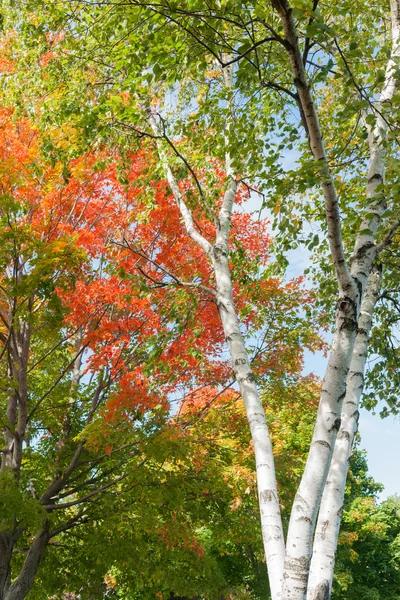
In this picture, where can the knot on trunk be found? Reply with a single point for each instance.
(345, 304)
(347, 309)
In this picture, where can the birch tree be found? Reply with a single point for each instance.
(218, 252)
(347, 360)
(342, 386)
(240, 70)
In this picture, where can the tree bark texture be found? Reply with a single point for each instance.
(217, 253)
(20, 587)
(329, 518)
(351, 282)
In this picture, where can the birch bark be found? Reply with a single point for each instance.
(327, 531)
(352, 282)
(329, 518)
(218, 254)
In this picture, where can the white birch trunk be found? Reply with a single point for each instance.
(329, 518)
(352, 283)
(308, 497)
(271, 523)
(325, 543)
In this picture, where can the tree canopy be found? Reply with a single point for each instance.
(161, 165)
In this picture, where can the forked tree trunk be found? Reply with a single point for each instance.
(330, 514)
(351, 282)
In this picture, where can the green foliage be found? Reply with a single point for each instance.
(17, 505)
(368, 560)
(86, 74)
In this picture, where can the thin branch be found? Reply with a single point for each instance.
(55, 384)
(388, 238)
(307, 44)
(69, 525)
(52, 507)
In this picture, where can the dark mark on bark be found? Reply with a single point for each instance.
(249, 378)
(376, 176)
(299, 499)
(348, 324)
(221, 305)
(220, 252)
(336, 424)
(358, 284)
(323, 443)
(347, 286)
(240, 361)
(267, 496)
(304, 518)
(324, 528)
(231, 336)
(359, 374)
(297, 564)
(362, 251)
(362, 331)
(322, 591)
(343, 435)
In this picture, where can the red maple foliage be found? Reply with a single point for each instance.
(130, 279)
